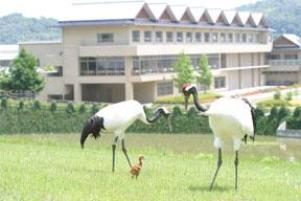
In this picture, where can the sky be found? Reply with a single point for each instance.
(55, 8)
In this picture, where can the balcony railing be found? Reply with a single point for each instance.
(108, 72)
(95, 43)
(293, 62)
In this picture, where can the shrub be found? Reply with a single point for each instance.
(70, 108)
(277, 95)
(94, 109)
(21, 106)
(82, 108)
(36, 105)
(53, 107)
(274, 103)
(4, 104)
(289, 96)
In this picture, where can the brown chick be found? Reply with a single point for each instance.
(137, 168)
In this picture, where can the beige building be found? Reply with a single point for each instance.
(285, 61)
(116, 51)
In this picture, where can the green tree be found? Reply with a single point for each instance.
(205, 78)
(184, 70)
(23, 75)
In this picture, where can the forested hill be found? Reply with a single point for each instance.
(283, 15)
(15, 27)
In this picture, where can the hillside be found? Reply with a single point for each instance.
(283, 15)
(15, 27)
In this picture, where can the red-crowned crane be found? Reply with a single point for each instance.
(116, 118)
(229, 118)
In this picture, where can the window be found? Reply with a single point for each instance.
(5, 63)
(244, 38)
(54, 97)
(147, 36)
(164, 88)
(290, 56)
(105, 38)
(101, 66)
(219, 82)
(198, 37)
(136, 36)
(214, 37)
(189, 37)
(237, 37)
(223, 37)
(58, 72)
(169, 37)
(179, 37)
(159, 37)
(230, 38)
(207, 37)
(257, 38)
(213, 61)
(250, 38)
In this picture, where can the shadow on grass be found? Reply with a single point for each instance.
(207, 189)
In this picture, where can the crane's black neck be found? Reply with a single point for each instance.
(197, 103)
(156, 116)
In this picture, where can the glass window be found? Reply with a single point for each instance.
(105, 38)
(198, 37)
(244, 37)
(230, 37)
(136, 36)
(189, 37)
(159, 36)
(214, 37)
(237, 37)
(219, 82)
(164, 88)
(207, 37)
(147, 36)
(169, 37)
(213, 60)
(250, 38)
(179, 37)
(223, 37)
(257, 38)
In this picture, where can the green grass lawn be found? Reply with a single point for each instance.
(177, 167)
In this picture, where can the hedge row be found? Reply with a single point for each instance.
(45, 121)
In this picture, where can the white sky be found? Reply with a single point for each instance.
(55, 8)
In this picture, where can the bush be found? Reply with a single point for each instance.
(277, 95)
(21, 106)
(289, 96)
(274, 103)
(4, 104)
(70, 108)
(94, 109)
(53, 107)
(82, 108)
(36, 105)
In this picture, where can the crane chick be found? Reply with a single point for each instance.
(137, 168)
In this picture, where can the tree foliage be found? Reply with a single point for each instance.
(15, 28)
(205, 78)
(183, 68)
(23, 75)
(282, 15)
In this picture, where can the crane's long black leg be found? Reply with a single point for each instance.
(125, 152)
(219, 164)
(236, 168)
(113, 149)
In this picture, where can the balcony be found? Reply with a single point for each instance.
(285, 65)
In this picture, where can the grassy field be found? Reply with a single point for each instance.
(177, 167)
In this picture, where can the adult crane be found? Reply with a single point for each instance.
(116, 118)
(229, 118)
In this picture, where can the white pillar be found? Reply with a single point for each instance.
(77, 93)
(129, 88)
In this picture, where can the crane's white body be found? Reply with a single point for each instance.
(118, 117)
(230, 119)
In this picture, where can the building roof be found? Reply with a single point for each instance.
(293, 38)
(105, 13)
(8, 52)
